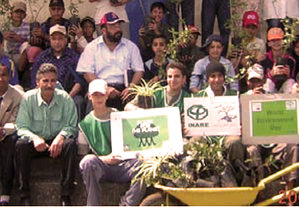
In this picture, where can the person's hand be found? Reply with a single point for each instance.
(258, 90)
(280, 70)
(39, 144)
(56, 146)
(111, 159)
(76, 30)
(16, 37)
(113, 93)
(141, 32)
(186, 58)
(8, 35)
(295, 90)
(153, 26)
(124, 93)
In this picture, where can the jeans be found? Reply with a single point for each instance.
(94, 171)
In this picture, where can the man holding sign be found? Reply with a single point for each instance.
(101, 166)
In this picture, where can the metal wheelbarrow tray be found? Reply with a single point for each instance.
(235, 196)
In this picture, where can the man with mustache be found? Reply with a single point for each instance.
(112, 58)
(47, 126)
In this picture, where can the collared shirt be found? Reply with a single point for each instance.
(37, 118)
(23, 30)
(208, 92)
(109, 65)
(66, 67)
(199, 78)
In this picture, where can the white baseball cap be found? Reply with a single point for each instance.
(256, 71)
(58, 28)
(97, 85)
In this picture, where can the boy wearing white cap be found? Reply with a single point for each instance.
(100, 166)
(255, 80)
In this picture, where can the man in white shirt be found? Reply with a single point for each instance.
(112, 58)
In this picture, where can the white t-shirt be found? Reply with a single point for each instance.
(104, 7)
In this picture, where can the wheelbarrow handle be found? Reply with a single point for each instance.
(278, 174)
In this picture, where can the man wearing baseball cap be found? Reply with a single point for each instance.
(279, 68)
(65, 59)
(112, 58)
(95, 134)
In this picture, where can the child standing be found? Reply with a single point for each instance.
(152, 27)
(256, 46)
(158, 62)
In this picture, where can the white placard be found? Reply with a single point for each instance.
(147, 132)
(209, 116)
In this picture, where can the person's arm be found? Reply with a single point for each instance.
(10, 126)
(24, 120)
(75, 90)
(137, 77)
(70, 117)
(23, 61)
(89, 77)
(194, 79)
(87, 63)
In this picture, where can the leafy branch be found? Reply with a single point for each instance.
(5, 12)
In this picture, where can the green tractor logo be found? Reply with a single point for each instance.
(197, 112)
(145, 131)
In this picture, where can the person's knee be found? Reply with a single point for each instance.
(88, 162)
(23, 145)
(70, 146)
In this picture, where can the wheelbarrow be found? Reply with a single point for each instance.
(232, 196)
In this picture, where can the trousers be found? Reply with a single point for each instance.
(25, 151)
(94, 171)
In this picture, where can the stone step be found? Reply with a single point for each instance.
(45, 186)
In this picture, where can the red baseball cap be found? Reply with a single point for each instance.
(110, 18)
(193, 29)
(250, 18)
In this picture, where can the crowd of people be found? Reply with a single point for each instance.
(60, 81)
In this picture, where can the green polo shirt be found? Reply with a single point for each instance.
(36, 117)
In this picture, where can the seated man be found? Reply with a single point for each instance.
(10, 99)
(65, 60)
(235, 150)
(111, 57)
(101, 166)
(46, 124)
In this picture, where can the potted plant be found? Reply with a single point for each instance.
(144, 93)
